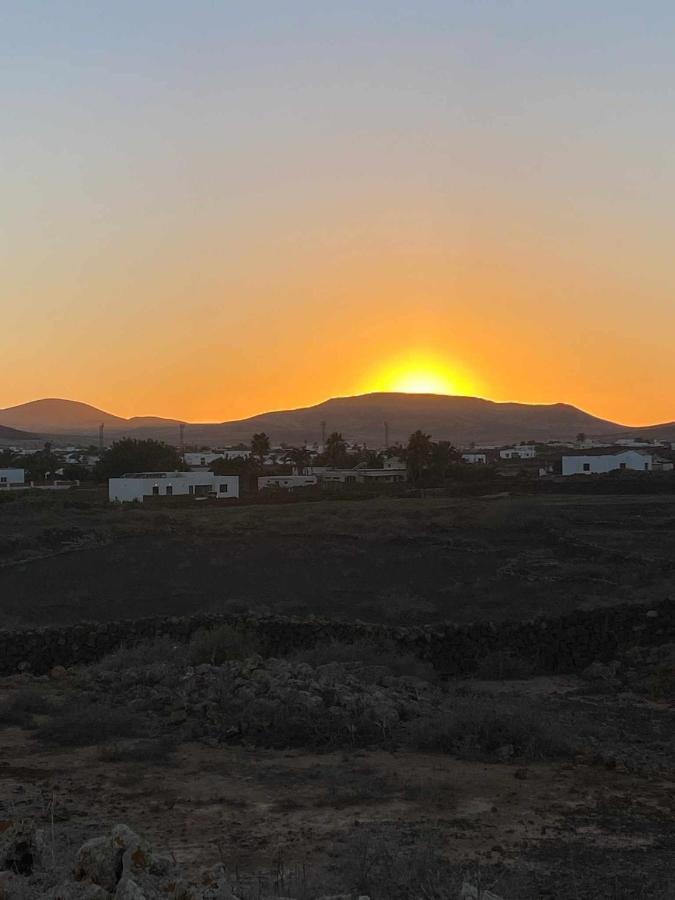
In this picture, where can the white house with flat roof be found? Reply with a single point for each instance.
(475, 458)
(136, 486)
(522, 451)
(12, 477)
(203, 459)
(602, 463)
(285, 482)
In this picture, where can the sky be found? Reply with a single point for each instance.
(214, 209)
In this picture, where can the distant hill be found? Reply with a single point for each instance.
(457, 419)
(13, 435)
(360, 418)
(71, 417)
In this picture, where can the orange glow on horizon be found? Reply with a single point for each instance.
(422, 373)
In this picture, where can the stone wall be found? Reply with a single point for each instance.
(567, 643)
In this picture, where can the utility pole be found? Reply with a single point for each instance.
(100, 437)
(181, 429)
(386, 435)
(323, 435)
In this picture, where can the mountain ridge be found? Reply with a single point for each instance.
(359, 418)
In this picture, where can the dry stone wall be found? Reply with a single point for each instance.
(567, 643)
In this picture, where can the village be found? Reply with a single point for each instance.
(264, 468)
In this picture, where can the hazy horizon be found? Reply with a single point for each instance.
(221, 419)
(218, 210)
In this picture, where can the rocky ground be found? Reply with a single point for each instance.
(346, 771)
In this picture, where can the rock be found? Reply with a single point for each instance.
(58, 673)
(99, 862)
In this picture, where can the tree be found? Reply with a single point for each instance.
(418, 455)
(335, 451)
(260, 446)
(581, 438)
(132, 455)
(300, 458)
(75, 472)
(40, 464)
(443, 457)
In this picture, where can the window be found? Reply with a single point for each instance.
(191, 489)
(587, 467)
(622, 465)
(646, 467)
(169, 490)
(222, 488)
(3, 479)
(155, 490)
(202, 460)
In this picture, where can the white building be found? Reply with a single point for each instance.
(602, 463)
(12, 477)
(204, 459)
(393, 462)
(137, 486)
(475, 458)
(359, 475)
(522, 451)
(285, 482)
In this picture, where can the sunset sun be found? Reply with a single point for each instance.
(421, 374)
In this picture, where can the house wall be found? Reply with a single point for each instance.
(285, 481)
(479, 458)
(602, 464)
(125, 490)
(525, 452)
(12, 476)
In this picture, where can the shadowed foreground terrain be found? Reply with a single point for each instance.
(71, 557)
(348, 770)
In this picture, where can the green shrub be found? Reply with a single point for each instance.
(218, 645)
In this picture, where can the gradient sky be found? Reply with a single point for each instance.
(211, 209)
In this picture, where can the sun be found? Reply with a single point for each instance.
(421, 374)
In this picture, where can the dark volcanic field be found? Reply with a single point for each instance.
(70, 557)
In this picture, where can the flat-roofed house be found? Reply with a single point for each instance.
(10, 477)
(136, 486)
(603, 463)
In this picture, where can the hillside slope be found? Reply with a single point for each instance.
(457, 419)
(70, 416)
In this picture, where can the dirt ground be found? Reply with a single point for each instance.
(599, 825)
(63, 560)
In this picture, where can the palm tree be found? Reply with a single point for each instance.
(260, 446)
(419, 453)
(335, 450)
(301, 458)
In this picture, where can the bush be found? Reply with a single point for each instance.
(383, 653)
(139, 656)
(78, 726)
(480, 728)
(219, 645)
